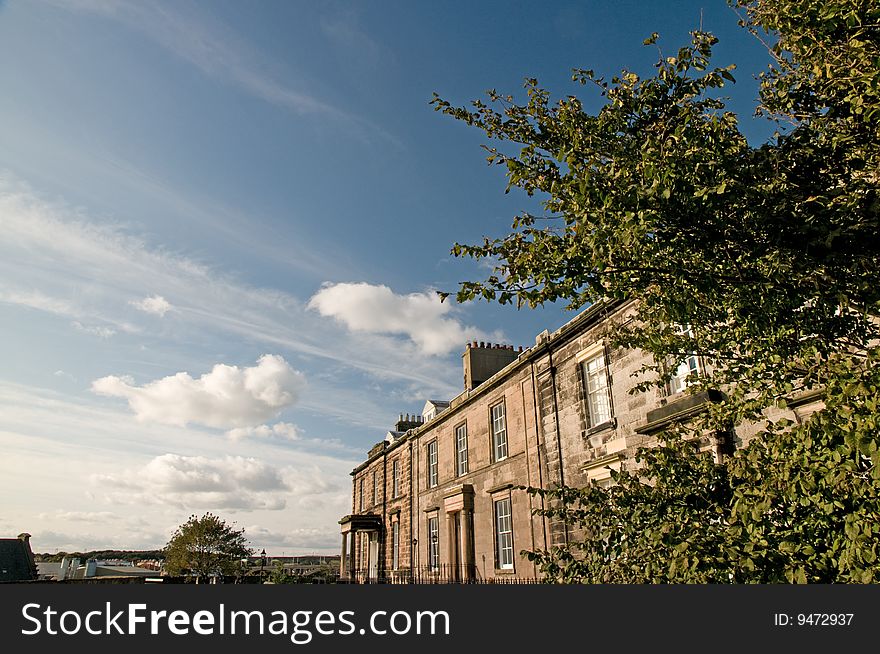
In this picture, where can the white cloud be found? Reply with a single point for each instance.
(376, 309)
(280, 430)
(294, 541)
(81, 516)
(55, 259)
(95, 330)
(63, 374)
(130, 538)
(232, 483)
(155, 304)
(35, 299)
(227, 397)
(87, 457)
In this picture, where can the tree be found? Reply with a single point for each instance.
(206, 546)
(767, 253)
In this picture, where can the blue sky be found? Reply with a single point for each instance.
(221, 229)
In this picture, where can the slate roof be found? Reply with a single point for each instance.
(15, 560)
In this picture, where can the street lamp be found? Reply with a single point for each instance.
(262, 563)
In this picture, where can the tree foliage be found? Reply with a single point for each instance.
(768, 252)
(206, 546)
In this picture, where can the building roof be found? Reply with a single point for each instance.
(50, 569)
(15, 560)
(589, 316)
(122, 571)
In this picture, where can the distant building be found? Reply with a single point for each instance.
(70, 569)
(17, 560)
(440, 498)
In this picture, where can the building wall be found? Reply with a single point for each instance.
(541, 389)
(550, 439)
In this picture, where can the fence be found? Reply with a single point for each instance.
(441, 574)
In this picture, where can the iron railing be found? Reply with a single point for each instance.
(441, 574)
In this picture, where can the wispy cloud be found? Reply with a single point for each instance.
(80, 516)
(63, 374)
(95, 330)
(281, 430)
(343, 29)
(56, 259)
(221, 53)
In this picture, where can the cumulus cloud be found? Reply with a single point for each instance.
(228, 397)
(376, 309)
(231, 482)
(155, 304)
(281, 430)
(52, 258)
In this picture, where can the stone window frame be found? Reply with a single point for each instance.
(693, 362)
(461, 470)
(432, 548)
(395, 541)
(502, 494)
(432, 466)
(395, 478)
(588, 354)
(493, 443)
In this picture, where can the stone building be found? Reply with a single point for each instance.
(17, 560)
(440, 499)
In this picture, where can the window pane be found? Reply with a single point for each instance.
(503, 534)
(690, 365)
(395, 546)
(461, 450)
(432, 464)
(598, 396)
(433, 544)
(499, 432)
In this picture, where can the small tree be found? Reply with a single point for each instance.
(206, 546)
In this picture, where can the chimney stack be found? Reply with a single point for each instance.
(407, 422)
(480, 363)
(25, 539)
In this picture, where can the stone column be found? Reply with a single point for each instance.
(342, 558)
(452, 547)
(467, 550)
(352, 548)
